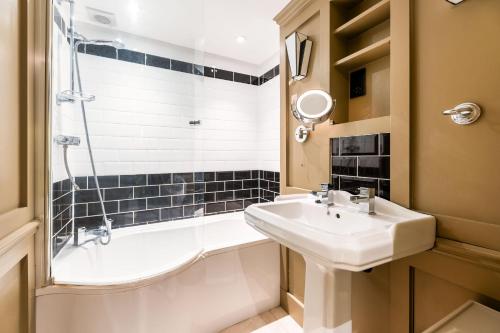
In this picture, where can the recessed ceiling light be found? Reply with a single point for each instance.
(455, 2)
(241, 39)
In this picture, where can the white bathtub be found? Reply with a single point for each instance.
(166, 277)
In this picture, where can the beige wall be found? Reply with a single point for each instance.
(451, 57)
(22, 92)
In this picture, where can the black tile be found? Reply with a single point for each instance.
(374, 166)
(243, 174)
(66, 185)
(335, 182)
(255, 174)
(204, 197)
(254, 192)
(101, 50)
(198, 69)
(209, 71)
(262, 80)
(268, 175)
(132, 56)
(359, 145)
(234, 205)
(181, 66)
(194, 188)
(250, 183)
(194, 210)
(81, 182)
(242, 194)
(186, 177)
(264, 184)
(344, 165)
(254, 80)
(171, 213)
(267, 75)
(181, 200)
(242, 78)
(223, 74)
(209, 176)
(224, 175)
(118, 193)
(86, 196)
(91, 222)
(94, 208)
(146, 191)
(130, 205)
(159, 179)
(223, 196)
(277, 176)
(104, 181)
(384, 189)
(155, 61)
(249, 202)
(171, 189)
(80, 210)
(385, 144)
(132, 180)
(335, 146)
(352, 184)
(215, 207)
(147, 216)
(121, 220)
(234, 185)
(159, 202)
(276, 70)
(274, 186)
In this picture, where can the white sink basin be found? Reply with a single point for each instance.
(337, 243)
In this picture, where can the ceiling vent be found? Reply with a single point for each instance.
(101, 17)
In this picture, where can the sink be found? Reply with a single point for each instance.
(336, 241)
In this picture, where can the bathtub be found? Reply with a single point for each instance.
(196, 275)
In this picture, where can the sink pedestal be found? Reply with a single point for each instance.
(327, 305)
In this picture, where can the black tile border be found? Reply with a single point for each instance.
(151, 198)
(361, 161)
(151, 60)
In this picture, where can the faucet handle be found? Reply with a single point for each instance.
(367, 191)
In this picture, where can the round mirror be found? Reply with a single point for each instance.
(314, 106)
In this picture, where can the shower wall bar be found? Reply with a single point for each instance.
(151, 198)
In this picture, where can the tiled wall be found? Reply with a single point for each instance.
(362, 161)
(62, 212)
(151, 198)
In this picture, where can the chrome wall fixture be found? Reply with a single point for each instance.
(298, 48)
(464, 114)
(65, 141)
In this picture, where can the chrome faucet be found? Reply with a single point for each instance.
(326, 196)
(82, 236)
(365, 200)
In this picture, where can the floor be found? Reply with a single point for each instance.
(273, 321)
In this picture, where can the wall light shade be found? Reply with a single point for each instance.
(455, 2)
(298, 48)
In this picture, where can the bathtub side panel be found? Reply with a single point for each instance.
(212, 294)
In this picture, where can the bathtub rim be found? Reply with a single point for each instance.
(98, 289)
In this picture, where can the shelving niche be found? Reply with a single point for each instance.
(361, 38)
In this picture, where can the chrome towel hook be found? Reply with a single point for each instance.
(464, 114)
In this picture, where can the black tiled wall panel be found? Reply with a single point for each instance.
(361, 161)
(139, 199)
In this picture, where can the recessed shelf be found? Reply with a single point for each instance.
(367, 19)
(368, 54)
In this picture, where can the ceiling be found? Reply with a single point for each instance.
(208, 25)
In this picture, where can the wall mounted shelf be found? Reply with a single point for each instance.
(367, 19)
(368, 54)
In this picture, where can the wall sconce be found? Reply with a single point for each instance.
(298, 48)
(455, 2)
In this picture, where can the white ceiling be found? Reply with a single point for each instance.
(208, 25)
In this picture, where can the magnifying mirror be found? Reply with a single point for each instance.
(312, 107)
